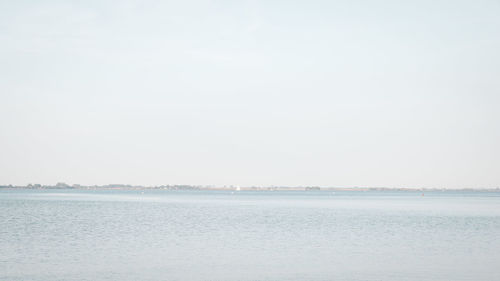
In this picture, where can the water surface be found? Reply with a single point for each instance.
(216, 235)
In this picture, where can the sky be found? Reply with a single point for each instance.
(251, 93)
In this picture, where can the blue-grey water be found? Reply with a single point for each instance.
(216, 235)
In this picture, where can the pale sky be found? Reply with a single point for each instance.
(328, 93)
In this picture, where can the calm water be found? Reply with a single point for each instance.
(180, 235)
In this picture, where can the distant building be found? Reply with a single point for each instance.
(62, 185)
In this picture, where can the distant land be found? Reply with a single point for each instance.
(62, 185)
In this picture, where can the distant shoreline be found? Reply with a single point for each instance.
(60, 186)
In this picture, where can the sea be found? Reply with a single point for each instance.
(48, 235)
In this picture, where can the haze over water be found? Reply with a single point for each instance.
(251, 93)
(218, 235)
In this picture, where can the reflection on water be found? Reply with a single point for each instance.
(196, 235)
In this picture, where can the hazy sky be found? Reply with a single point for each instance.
(330, 93)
